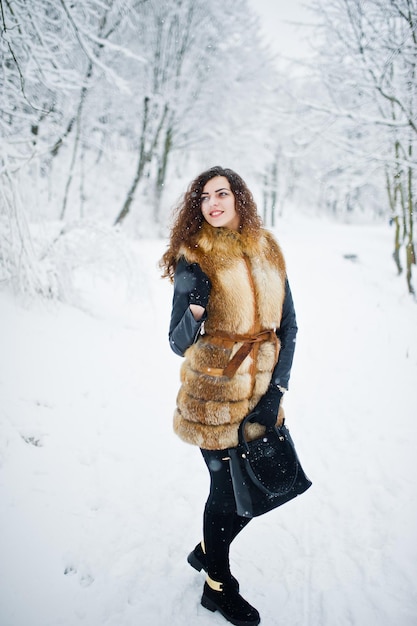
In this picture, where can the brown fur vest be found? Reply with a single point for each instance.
(247, 275)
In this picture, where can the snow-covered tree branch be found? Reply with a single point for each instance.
(366, 102)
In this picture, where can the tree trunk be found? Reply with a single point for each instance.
(392, 190)
(145, 156)
(162, 172)
(139, 168)
(274, 193)
(72, 165)
(410, 249)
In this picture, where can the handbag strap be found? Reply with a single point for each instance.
(241, 431)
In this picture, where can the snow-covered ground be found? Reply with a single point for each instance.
(100, 503)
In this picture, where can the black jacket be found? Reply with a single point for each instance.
(184, 330)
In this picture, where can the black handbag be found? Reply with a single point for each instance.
(266, 472)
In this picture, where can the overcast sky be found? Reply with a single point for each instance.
(278, 17)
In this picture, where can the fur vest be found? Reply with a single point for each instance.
(247, 275)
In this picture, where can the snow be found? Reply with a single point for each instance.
(100, 502)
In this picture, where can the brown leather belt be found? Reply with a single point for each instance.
(248, 343)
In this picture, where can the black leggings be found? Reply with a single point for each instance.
(221, 498)
(221, 522)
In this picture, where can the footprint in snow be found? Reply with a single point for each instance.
(85, 580)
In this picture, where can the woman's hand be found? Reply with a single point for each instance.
(197, 310)
(200, 291)
(266, 411)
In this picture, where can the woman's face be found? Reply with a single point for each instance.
(218, 204)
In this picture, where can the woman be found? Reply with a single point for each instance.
(233, 320)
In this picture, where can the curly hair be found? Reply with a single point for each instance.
(188, 218)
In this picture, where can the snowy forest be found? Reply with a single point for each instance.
(109, 107)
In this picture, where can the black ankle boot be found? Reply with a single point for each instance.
(225, 598)
(198, 560)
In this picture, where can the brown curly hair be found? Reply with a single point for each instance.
(188, 218)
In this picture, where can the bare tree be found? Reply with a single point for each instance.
(105, 101)
(197, 84)
(367, 55)
(48, 57)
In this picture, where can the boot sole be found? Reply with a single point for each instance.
(212, 606)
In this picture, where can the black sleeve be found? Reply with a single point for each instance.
(183, 329)
(287, 335)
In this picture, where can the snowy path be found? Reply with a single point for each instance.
(100, 503)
